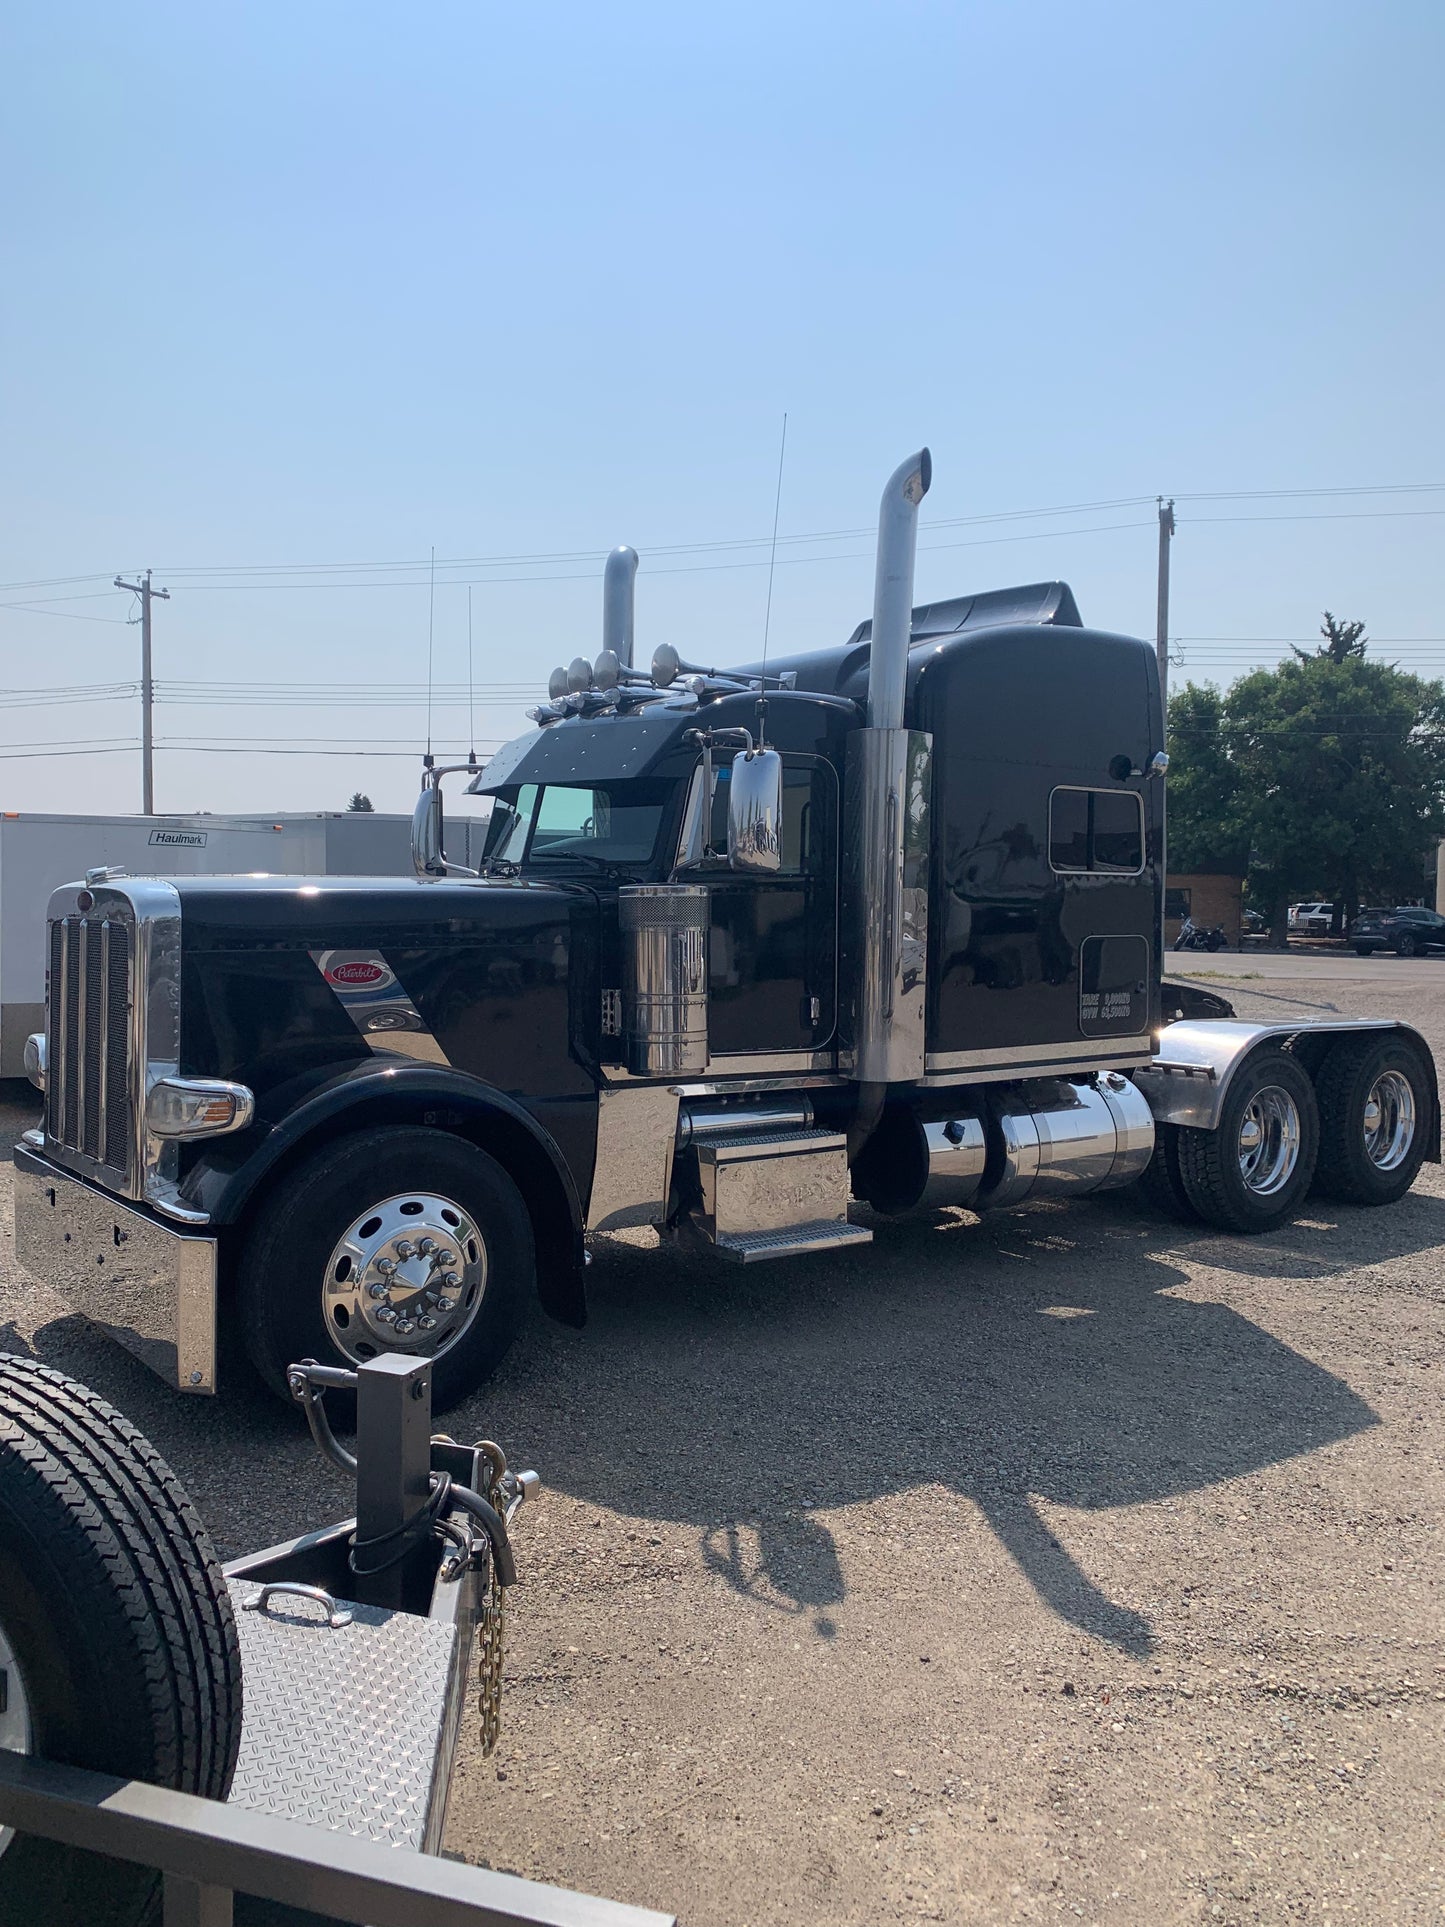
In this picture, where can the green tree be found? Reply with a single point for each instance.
(1342, 640)
(1203, 783)
(1329, 770)
(361, 803)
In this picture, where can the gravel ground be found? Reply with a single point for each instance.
(1067, 1565)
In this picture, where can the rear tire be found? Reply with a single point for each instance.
(1161, 1183)
(1375, 1103)
(284, 1296)
(1251, 1173)
(119, 1625)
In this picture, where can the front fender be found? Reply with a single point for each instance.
(371, 1094)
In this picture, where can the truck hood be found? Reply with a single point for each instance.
(281, 912)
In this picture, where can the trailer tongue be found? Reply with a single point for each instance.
(320, 1686)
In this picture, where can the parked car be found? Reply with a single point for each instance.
(1311, 919)
(1407, 930)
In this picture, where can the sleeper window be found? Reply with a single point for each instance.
(1096, 831)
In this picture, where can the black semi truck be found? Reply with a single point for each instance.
(878, 923)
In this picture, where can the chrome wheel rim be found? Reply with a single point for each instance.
(1389, 1121)
(1269, 1141)
(16, 1735)
(408, 1275)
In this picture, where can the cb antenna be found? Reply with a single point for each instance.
(431, 608)
(471, 687)
(772, 565)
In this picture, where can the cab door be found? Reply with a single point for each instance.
(773, 940)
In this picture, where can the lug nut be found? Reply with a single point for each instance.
(385, 1315)
(446, 1304)
(446, 1257)
(427, 1246)
(451, 1280)
(403, 1327)
(386, 1266)
(377, 1290)
(405, 1249)
(426, 1322)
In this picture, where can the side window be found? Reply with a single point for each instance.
(1096, 831)
(808, 804)
(510, 822)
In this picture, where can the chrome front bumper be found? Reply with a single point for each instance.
(152, 1288)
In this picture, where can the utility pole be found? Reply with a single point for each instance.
(147, 755)
(1161, 626)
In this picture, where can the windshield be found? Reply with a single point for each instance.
(559, 823)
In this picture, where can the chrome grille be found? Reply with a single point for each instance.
(88, 1102)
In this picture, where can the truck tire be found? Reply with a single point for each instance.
(1375, 1104)
(1251, 1173)
(116, 1634)
(313, 1279)
(1162, 1184)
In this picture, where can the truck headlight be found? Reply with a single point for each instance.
(187, 1107)
(35, 1059)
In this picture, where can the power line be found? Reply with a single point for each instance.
(417, 564)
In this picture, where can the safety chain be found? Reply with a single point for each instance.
(492, 1626)
(492, 1619)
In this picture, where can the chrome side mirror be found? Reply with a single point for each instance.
(755, 811)
(426, 833)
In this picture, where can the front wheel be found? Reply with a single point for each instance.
(1375, 1106)
(1251, 1173)
(398, 1240)
(1407, 944)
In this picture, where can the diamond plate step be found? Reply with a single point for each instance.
(823, 1234)
(342, 1726)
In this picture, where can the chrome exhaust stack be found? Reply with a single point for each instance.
(886, 836)
(618, 600)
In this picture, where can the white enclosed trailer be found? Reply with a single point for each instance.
(40, 852)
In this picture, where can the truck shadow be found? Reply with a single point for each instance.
(1036, 1360)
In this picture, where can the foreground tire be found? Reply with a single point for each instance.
(116, 1633)
(1162, 1184)
(1253, 1171)
(1375, 1105)
(1407, 944)
(399, 1240)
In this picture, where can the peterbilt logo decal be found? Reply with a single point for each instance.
(366, 987)
(356, 973)
(348, 970)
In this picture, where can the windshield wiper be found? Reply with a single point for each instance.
(602, 863)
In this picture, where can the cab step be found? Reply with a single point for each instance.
(826, 1234)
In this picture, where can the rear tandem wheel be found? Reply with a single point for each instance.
(1375, 1107)
(1253, 1170)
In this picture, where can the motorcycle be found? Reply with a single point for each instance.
(1198, 936)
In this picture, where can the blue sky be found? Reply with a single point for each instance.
(338, 285)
